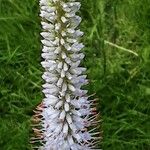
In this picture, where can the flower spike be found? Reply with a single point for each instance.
(65, 118)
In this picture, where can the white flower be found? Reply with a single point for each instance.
(65, 112)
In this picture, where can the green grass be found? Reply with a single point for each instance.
(121, 79)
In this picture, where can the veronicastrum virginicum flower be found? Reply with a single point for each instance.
(66, 116)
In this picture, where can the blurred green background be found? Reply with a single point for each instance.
(117, 40)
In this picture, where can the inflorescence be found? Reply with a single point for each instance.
(65, 118)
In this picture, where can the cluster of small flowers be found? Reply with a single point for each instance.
(66, 112)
